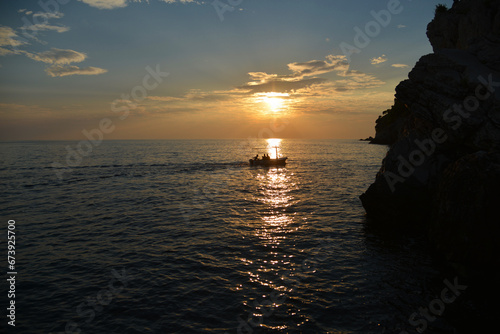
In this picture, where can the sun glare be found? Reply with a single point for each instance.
(273, 101)
(272, 144)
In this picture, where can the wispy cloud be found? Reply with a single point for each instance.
(44, 26)
(31, 30)
(58, 56)
(65, 70)
(399, 65)
(5, 52)
(304, 74)
(9, 37)
(378, 60)
(48, 15)
(317, 67)
(25, 11)
(106, 4)
(112, 4)
(59, 59)
(181, 1)
(355, 80)
(279, 85)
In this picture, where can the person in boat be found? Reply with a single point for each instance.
(256, 157)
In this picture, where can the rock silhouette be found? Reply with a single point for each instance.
(442, 172)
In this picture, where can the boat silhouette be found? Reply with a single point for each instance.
(268, 162)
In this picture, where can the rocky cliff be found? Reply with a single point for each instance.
(442, 172)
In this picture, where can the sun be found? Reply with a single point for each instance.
(274, 102)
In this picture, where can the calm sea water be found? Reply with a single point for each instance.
(184, 237)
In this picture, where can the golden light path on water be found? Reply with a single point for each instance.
(275, 225)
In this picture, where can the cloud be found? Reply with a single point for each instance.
(48, 15)
(301, 82)
(303, 75)
(8, 37)
(60, 60)
(317, 67)
(112, 4)
(180, 1)
(61, 71)
(106, 4)
(44, 26)
(399, 65)
(5, 52)
(301, 90)
(357, 80)
(280, 86)
(378, 60)
(42, 19)
(58, 56)
(196, 95)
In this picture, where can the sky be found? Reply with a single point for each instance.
(182, 69)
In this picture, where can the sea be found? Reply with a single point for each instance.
(183, 236)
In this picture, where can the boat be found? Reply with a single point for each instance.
(268, 162)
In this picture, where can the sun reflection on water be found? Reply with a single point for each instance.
(272, 262)
(277, 220)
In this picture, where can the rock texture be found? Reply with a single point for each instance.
(442, 171)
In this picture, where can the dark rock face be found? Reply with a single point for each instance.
(446, 148)
(466, 225)
(462, 26)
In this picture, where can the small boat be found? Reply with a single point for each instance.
(268, 162)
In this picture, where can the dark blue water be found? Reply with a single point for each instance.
(184, 237)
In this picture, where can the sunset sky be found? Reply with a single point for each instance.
(204, 69)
